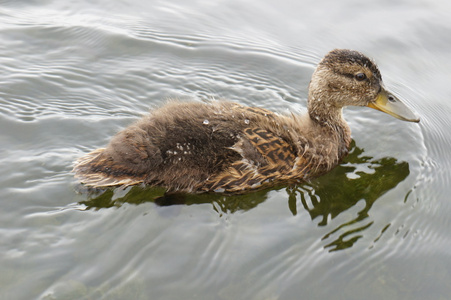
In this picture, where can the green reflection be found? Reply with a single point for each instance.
(358, 179)
(135, 195)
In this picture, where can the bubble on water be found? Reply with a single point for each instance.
(206, 122)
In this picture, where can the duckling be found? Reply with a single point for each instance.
(228, 147)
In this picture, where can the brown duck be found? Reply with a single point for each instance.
(227, 147)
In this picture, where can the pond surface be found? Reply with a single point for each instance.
(73, 73)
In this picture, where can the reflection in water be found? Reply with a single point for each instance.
(136, 195)
(358, 178)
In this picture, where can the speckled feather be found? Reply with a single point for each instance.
(198, 147)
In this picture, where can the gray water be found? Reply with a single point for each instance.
(73, 73)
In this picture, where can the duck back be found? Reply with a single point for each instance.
(200, 147)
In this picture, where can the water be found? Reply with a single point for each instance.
(72, 74)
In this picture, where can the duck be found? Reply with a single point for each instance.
(226, 147)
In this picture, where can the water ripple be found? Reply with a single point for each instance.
(71, 77)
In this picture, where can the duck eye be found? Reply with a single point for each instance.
(360, 76)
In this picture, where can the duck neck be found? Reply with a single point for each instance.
(325, 114)
(329, 120)
(332, 118)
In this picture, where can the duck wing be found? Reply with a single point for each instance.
(196, 147)
(177, 146)
(266, 158)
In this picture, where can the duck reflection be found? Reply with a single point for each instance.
(358, 179)
(135, 195)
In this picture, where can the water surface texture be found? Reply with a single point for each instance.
(73, 73)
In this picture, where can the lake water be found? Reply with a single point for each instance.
(73, 73)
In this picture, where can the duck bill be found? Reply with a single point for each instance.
(388, 103)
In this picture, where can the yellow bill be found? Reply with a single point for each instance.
(388, 103)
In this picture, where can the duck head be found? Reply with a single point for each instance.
(347, 77)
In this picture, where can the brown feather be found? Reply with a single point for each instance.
(195, 147)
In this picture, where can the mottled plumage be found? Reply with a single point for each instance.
(227, 147)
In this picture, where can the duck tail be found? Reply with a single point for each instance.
(97, 170)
